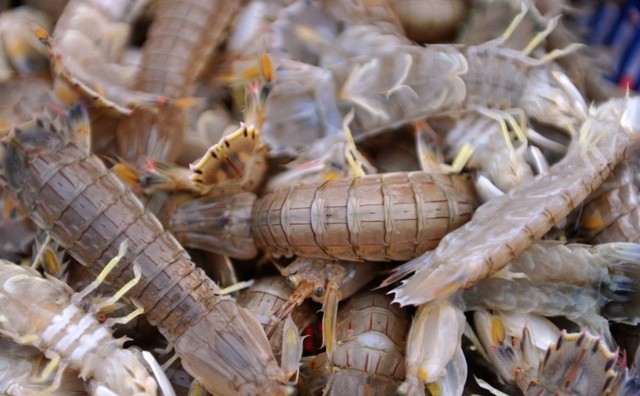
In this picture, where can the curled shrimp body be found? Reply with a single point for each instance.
(87, 209)
(504, 227)
(368, 359)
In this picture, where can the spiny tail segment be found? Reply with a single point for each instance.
(504, 227)
(578, 363)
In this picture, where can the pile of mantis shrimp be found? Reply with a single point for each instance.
(342, 197)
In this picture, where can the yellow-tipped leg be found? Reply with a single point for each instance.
(329, 320)
(512, 26)
(169, 362)
(128, 318)
(196, 389)
(462, 158)
(359, 165)
(236, 287)
(103, 274)
(53, 364)
(27, 339)
(541, 36)
(500, 119)
(560, 52)
(518, 127)
(124, 289)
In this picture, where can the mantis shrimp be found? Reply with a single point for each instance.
(88, 211)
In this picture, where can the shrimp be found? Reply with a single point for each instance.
(394, 85)
(536, 87)
(574, 263)
(89, 212)
(577, 303)
(292, 108)
(182, 37)
(380, 217)
(327, 282)
(87, 44)
(264, 298)
(505, 226)
(377, 217)
(368, 359)
(578, 281)
(41, 312)
(391, 82)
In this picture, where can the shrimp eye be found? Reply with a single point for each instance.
(291, 281)
(318, 291)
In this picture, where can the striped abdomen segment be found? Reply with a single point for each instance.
(182, 36)
(369, 354)
(90, 212)
(382, 217)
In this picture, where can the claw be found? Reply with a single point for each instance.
(236, 163)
